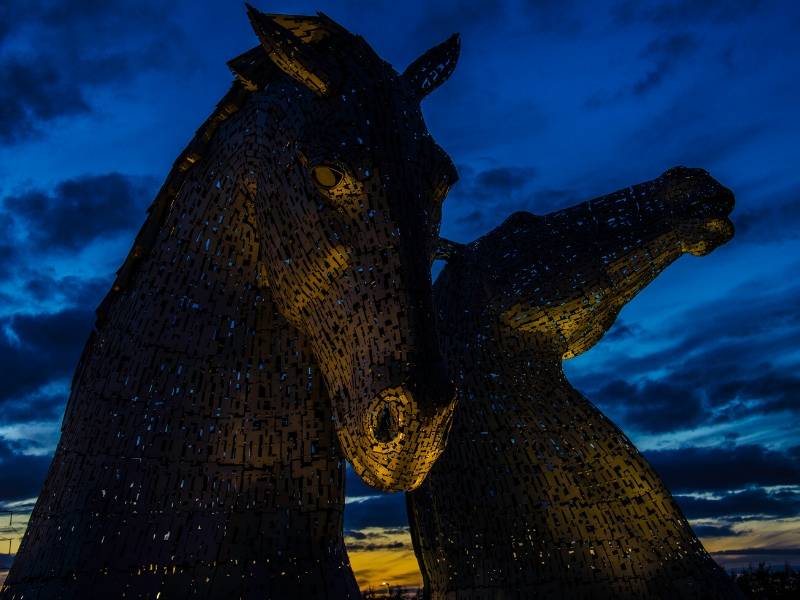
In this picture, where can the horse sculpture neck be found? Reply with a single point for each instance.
(198, 456)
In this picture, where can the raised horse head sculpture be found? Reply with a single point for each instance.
(275, 307)
(348, 188)
(558, 502)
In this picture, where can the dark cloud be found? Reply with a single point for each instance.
(547, 200)
(73, 49)
(79, 211)
(39, 406)
(69, 290)
(5, 21)
(540, 16)
(720, 468)
(668, 53)
(386, 510)
(40, 349)
(665, 55)
(356, 535)
(711, 366)
(356, 487)
(380, 510)
(554, 16)
(504, 180)
(470, 218)
(683, 12)
(762, 392)
(8, 251)
(762, 551)
(495, 191)
(357, 546)
(23, 475)
(32, 92)
(776, 219)
(688, 132)
(742, 504)
(622, 330)
(716, 531)
(653, 406)
(461, 16)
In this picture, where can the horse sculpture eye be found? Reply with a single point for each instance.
(327, 177)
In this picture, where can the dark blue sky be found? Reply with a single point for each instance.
(552, 103)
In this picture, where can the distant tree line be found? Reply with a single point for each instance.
(766, 583)
(759, 583)
(392, 593)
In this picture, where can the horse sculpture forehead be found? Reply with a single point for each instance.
(368, 112)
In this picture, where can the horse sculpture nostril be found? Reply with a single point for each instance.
(389, 413)
(385, 430)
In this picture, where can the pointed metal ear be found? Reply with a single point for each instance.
(291, 43)
(433, 68)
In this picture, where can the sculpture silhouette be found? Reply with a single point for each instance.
(538, 494)
(277, 302)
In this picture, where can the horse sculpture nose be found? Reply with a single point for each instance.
(402, 408)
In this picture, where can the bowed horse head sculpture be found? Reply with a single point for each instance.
(275, 310)
(349, 205)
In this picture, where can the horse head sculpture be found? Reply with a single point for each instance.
(559, 503)
(565, 276)
(276, 307)
(348, 202)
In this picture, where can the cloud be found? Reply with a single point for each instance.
(688, 132)
(665, 54)
(355, 534)
(711, 364)
(741, 504)
(59, 53)
(23, 475)
(653, 406)
(683, 12)
(763, 551)
(379, 509)
(776, 219)
(33, 92)
(716, 531)
(717, 469)
(540, 16)
(764, 392)
(490, 193)
(80, 210)
(503, 180)
(388, 510)
(41, 405)
(372, 546)
(547, 200)
(668, 53)
(623, 330)
(39, 349)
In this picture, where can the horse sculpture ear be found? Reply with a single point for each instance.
(291, 43)
(433, 68)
